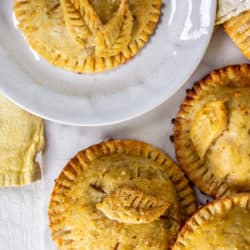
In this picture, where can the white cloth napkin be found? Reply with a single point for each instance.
(230, 8)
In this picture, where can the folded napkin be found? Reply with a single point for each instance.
(21, 138)
(230, 8)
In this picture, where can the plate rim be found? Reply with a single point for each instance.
(67, 121)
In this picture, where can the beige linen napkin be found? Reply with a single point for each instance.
(21, 138)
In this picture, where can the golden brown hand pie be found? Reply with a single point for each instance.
(238, 28)
(223, 224)
(87, 35)
(212, 132)
(119, 194)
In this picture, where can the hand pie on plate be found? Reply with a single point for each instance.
(87, 35)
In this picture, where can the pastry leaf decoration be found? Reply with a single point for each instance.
(132, 206)
(81, 19)
(208, 124)
(86, 27)
(116, 34)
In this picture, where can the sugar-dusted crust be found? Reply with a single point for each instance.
(71, 45)
(232, 85)
(222, 224)
(239, 31)
(131, 159)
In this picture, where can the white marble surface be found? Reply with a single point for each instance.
(23, 211)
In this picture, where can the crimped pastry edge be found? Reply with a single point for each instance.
(91, 64)
(206, 212)
(131, 147)
(200, 175)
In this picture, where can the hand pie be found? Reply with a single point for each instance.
(119, 194)
(87, 35)
(238, 28)
(223, 224)
(212, 132)
(21, 139)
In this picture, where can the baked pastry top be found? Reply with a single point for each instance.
(238, 30)
(119, 194)
(87, 35)
(21, 139)
(223, 224)
(212, 132)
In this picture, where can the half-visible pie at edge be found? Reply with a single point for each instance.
(238, 29)
(223, 224)
(119, 194)
(87, 35)
(212, 132)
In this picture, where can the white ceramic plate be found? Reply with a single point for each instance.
(156, 73)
